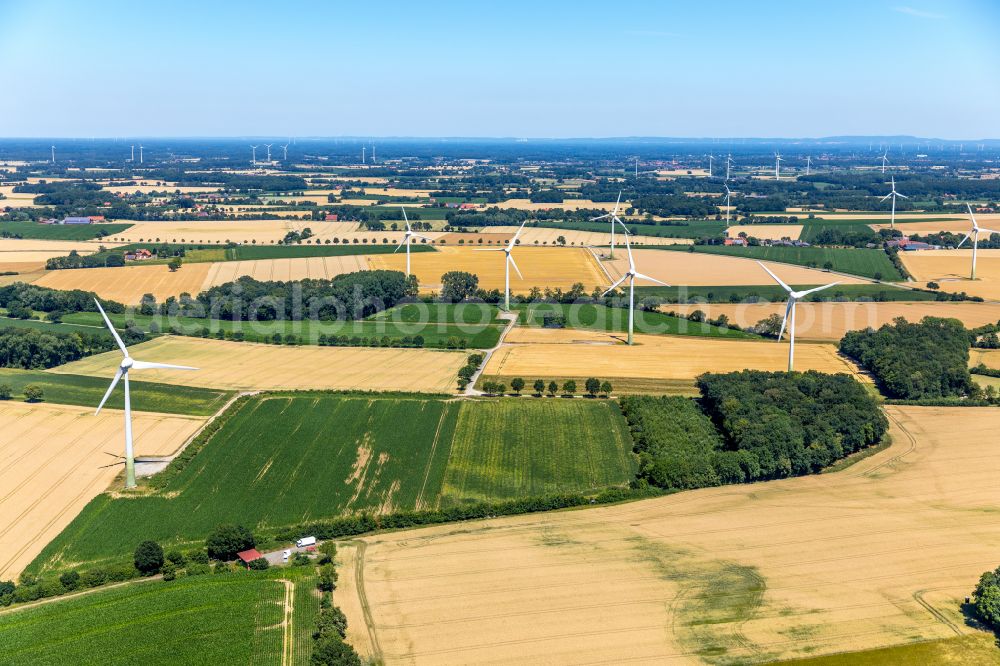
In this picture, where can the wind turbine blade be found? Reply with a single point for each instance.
(618, 201)
(600, 217)
(962, 242)
(121, 345)
(405, 219)
(788, 308)
(640, 276)
(972, 215)
(489, 249)
(401, 244)
(146, 365)
(815, 289)
(776, 278)
(627, 232)
(114, 383)
(615, 285)
(887, 196)
(513, 263)
(513, 241)
(631, 261)
(902, 196)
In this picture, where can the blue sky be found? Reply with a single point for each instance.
(533, 69)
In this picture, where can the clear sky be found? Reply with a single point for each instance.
(573, 68)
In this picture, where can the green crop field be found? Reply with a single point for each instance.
(767, 292)
(88, 391)
(280, 460)
(475, 324)
(518, 447)
(868, 263)
(224, 619)
(604, 318)
(60, 231)
(979, 648)
(687, 230)
(8, 322)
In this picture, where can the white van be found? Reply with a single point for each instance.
(285, 555)
(305, 541)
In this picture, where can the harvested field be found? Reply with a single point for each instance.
(769, 231)
(951, 268)
(662, 362)
(830, 321)
(248, 366)
(548, 236)
(14, 199)
(567, 204)
(18, 245)
(677, 268)
(284, 269)
(879, 554)
(957, 226)
(55, 459)
(541, 267)
(988, 357)
(128, 284)
(242, 231)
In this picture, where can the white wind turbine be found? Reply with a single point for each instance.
(407, 237)
(793, 298)
(285, 148)
(808, 163)
(729, 163)
(711, 157)
(974, 234)
(777, 165)
(885, 159)
(614, 218)
(253, 155)
(140, 153)
(728, 194)
(508, 262)
(631, 276)
(268, 146)
(893, 194)
(128, 363)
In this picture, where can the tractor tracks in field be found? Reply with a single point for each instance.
(288, 640)
(359, 584)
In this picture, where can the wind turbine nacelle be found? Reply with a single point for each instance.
(127, 363)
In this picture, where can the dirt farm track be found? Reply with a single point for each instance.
(879, 554)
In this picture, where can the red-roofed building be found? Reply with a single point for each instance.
(331, 217)
(248, 556)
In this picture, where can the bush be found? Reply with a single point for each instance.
(569, 387)
(593, 386)
(331, 650)
(33, 393)
(169, 571)
(6, 391)
(148, 557)
(70, 580)
(327, 578)
(987, 598)
(300, 560)
(331, 621)
(260, 564)
(227, 540)
(177, 557)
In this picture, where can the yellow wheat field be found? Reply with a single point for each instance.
(671, 359)
(56, 458)
(768, 231)
(567, 204)
(549, 236)
(951, 270)
(830, 321)
(696, 268)
(128, 284)
(541, 267)
(248, 366)
(14, 199)
(879, 554)
(285, 269)
(988, 357)
(239, 231)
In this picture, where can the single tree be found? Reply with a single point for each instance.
(593, 386)
(174, 264)
(148, 557)
(33, 393)
(553, 388)
(606, 388)
(569, 387)
(456, 286)
(517, 385)
(539, 387)
(6, 391)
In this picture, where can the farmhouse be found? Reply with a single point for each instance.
(76, 220)
(248, 556)
(142, 254)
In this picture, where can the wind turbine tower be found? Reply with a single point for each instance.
(127, 364)
(808, 163)
(777, 166)
(407, 237)
(729, 162)
(631, 276)
(140, 153)
(132, 159)
(614, 218)
(894, 194)
(793, 298)
(268, 146)
(362, 154)
(285, 148)
(974, 235)
(710, 158)
(508, 262)
(885, 159)
(253, 155)
(728, 194)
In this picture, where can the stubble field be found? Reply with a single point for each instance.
(249, 366)
(830, 321)
(56, 458)
(879, 554)
(951, 269)
(655, 363)
(541, 267)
